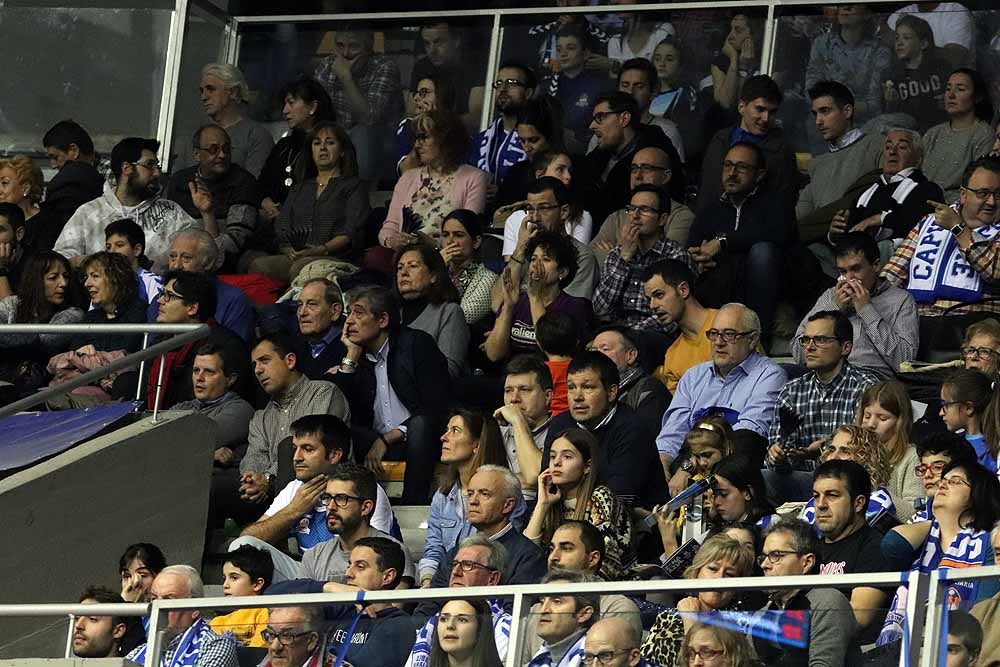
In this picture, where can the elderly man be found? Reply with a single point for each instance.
(294, 636)
(195, 250)
(642, 392)
(739, 383)
(233, 215)
(319, 313)
(649, 166)
(189, 640)
(950, 257)
(613, 642)
(224, 99)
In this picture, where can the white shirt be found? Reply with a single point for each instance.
(381, 515)
(390, 412)
(580, 231)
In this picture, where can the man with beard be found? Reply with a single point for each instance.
(497, 148)
(99, 636)
(884, 317)
(300, 509)
(136, 196)
(350, 498)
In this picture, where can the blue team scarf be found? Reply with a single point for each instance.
(939, 270)
(878, 501)
(573, 657)
(498, 150)
(969, 549)
(188, 648)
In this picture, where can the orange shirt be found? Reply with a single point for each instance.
(560, 402)
(685, 353)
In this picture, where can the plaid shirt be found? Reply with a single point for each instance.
(823, 407)
(215, 651)
(379, 82)
(619, 295)
(983, 256)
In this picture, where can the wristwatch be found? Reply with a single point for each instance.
(687, 466)
(723, 242)
(958, 229)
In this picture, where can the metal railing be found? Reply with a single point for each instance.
(522, 597)
(184, 333)
(937, 607)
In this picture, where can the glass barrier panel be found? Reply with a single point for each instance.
(101, 67)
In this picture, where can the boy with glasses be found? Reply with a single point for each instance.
(936, 452)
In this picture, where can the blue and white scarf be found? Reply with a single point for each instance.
(878, 501)
(498, 150)
(573, 657)
(186, 648)
(970, 548)
(420, 656)
(939, 270)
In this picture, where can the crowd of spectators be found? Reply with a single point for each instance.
(625, 286)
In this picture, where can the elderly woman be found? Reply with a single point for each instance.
(224, 97)
(22, 184)
(114, 299)
(719, 557)
(425, 195)
(430, 302)
(323, 215)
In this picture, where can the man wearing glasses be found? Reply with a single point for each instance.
(136, 195)
(951, 257)
(294, 637)
(613, 642)
(791, 548)
(229, 210)
(497, 148)
(738, 381)
(301, 508)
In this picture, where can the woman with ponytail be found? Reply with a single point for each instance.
(970, 403)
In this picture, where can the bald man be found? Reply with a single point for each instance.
(649, 166)
(613, 642)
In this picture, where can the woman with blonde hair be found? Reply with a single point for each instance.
(719, 557)
(22, 184)
(718, 647)
(568, 489)
(885, 410)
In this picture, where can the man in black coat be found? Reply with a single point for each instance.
(320, 318)
(396, 381)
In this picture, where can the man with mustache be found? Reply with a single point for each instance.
(737, 241)
(136, 195)
(497, 148)
(233, 213)
(99, 636)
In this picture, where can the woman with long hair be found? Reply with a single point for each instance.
(324, 214)
(719, 557)
(950, 146)
(471, 439)
(461, 236)
(464, 636)
(569, 488)
(429, 301)
(138, 566)
(739, 494)
(885, 410)
(114, 299)
(970, 403)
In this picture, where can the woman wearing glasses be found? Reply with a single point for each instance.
(470, 440)
(716, 647)
(433, 92)
(935, 453)
(464, 636)
(718, 558)
(970, 403)
(423, 196)
(966, 507)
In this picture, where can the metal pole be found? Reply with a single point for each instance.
(495, 45)
(517, 625)
(69, 636)
(154, 640)
(142, 367)
(159, 386)
(171, 74)
(934, 612)
(770, 37)
(913, 628)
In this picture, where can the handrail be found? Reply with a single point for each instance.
(191, 332)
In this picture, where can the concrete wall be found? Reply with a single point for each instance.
(66, 521)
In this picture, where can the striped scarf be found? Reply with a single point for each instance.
(939, 270)
(420, 656)
(186, 648)
(572, 658)
(969, 549)
(878, 501)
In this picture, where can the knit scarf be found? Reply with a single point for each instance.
(939, 270)
(187, 647)
(969, 549)
(573, 657)
(499, 150)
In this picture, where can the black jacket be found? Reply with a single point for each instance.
(902, 217)
(418, 373)
(630, 465)
(763, 216)
(316, 367)
(236, 187)
(76, 183)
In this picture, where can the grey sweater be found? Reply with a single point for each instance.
(446, 325)
(948, 152)
(8, 314)
(231, 415)
(834, 172)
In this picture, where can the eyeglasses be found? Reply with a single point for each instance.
(600, 116)
(819, 341)
(647, 169)
(285, 637)
(739, 167)
(705, 654)
(984, 194)
(954, 480)
(421, 137)
(215, 149)
(935, 467)
(775, 556)
(981, 353)
(539, 208)
(153, 165)
(602, 658)
(424, 92)
(508, 83)
(641, 210)
(727, 335)
(166, 296)
(340, 499)
(470, 565)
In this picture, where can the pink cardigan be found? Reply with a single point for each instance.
(468, 192)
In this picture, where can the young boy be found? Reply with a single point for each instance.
(965, 640)
(247, 571)
(558, 339)
(935, 453)
(126, 238)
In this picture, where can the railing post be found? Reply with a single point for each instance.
(142, 366)
(915, 620)
(935, 609)
(154, 640)
(69, 636)
(516, 643)
(159, 386)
